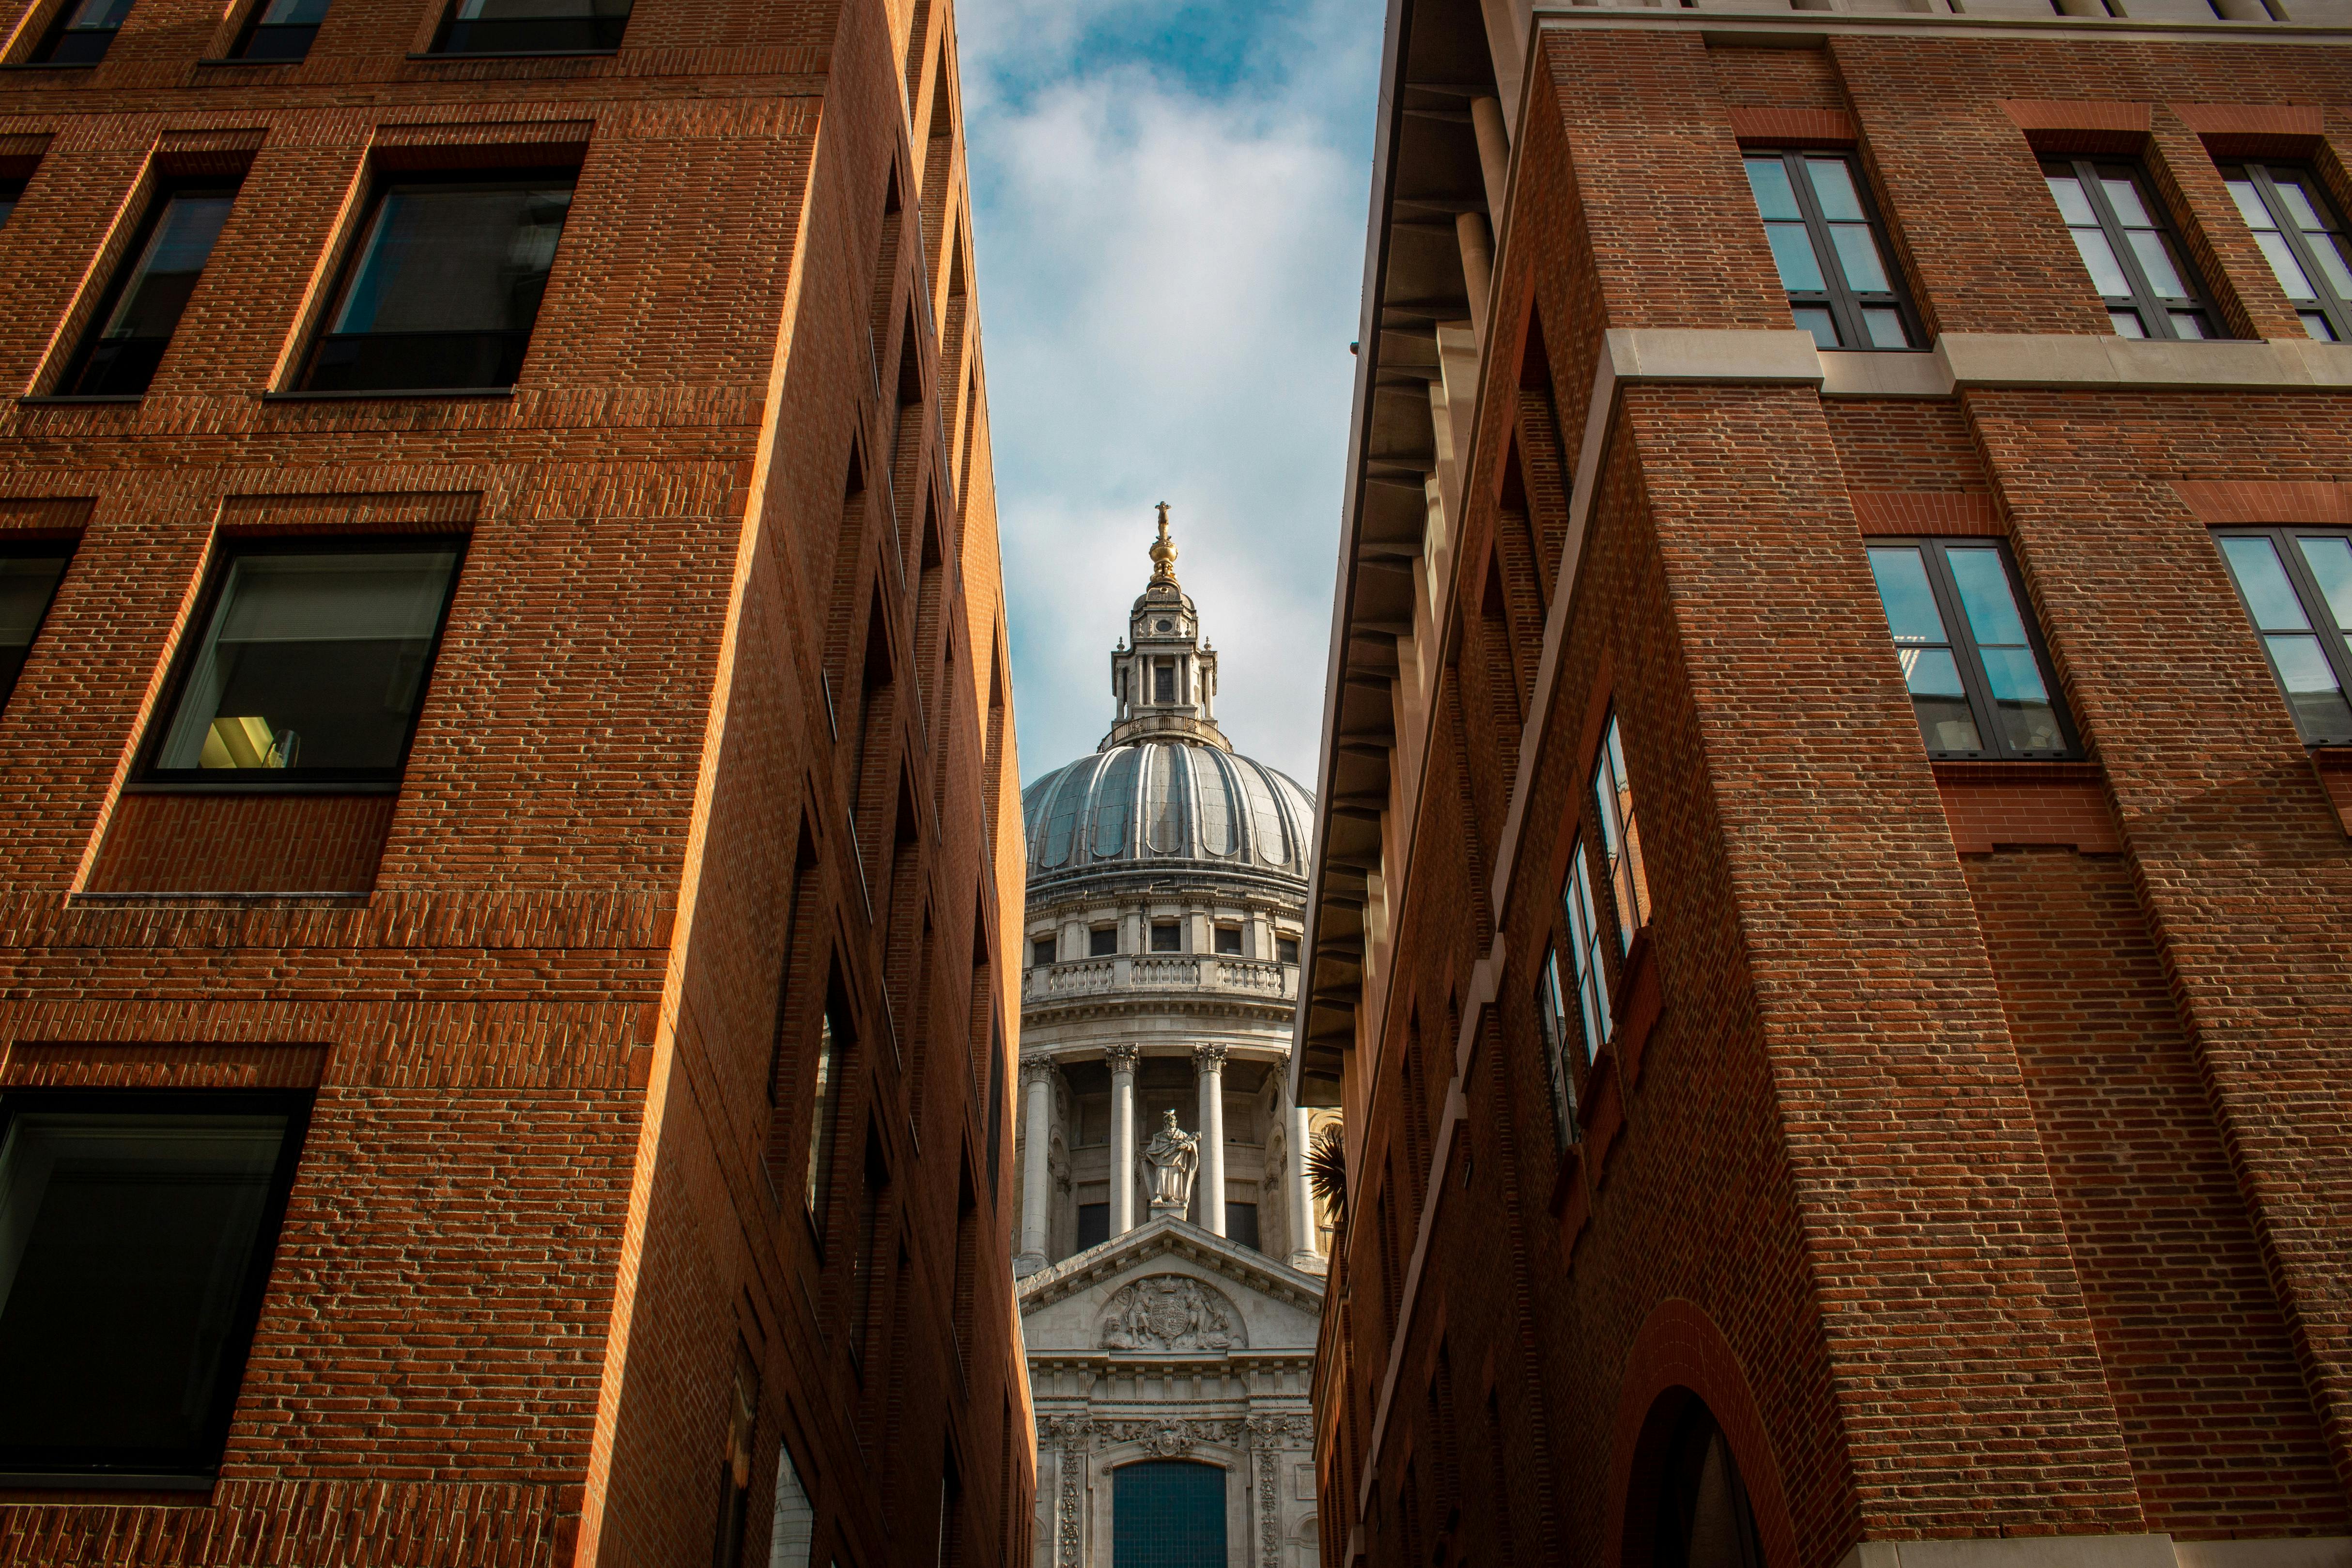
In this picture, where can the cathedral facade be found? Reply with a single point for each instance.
(1170, 1253)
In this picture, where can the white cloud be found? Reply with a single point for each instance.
(1168, 283)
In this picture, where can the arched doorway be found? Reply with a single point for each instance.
(1168, 1513)
(1698, 1510)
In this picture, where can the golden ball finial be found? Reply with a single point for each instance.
(1163, 550)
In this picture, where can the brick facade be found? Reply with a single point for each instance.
(559, 997)
(1969, 1141)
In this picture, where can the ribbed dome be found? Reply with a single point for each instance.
(1166, 801)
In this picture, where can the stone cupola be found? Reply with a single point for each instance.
(1162, 675)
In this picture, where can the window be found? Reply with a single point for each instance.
(833, 1039)
(1229, 940)
(1620, 836)
(533, 26)
(1592, 982)
(82, 32)
(1974, 664)
(1166, 936)
(1163, 680)
(1551, 1011)
(136, 1234)
(1094, 1224)
(11, 193)
(2133, 258)
(1286, 950)
(2298, 586)
(282, 30)
(1102, 942)
(28, 581)
(868, 1258)
(445, 286)
(1830, 250)
(311, 666)
(735, 1463)
(2303, 241)
(1040, 951)
(1241, 1225)
(135, 321)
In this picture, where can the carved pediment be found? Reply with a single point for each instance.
(1171, 1312)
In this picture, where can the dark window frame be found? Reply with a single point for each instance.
(381, 184)
(1043, 950)
(30, 1464)
(35, 549)
(448, 32)
(2327, 303)
(2308, 593)
(2143, 300)
(1176, 931)
(256, 29)
(149, 777)
(1845, 305)
(159, 201)
(1974, 681)
(11, 196)
(1096, 947)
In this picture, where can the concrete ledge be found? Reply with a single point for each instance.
(2103, 1552)
(1675, 354)
(2003, 359)
(1862, 373)
(2295, 1551)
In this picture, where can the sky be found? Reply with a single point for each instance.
(1169, 200)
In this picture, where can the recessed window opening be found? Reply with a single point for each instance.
(1830, 251)
(311, 665)
(2134, 259)
(136, 1235)
(1286, 950)
(11, 193)
(836, 1036)
(445, 285)
(1040, 951)
(1166, 936)
(2297, 584)
(1094, 1224)
(1229, 940)
(1241, 1225)
(29, 575)
(1972, 662)
(142, 307)
(1620, 836)
(1551, 1008)
(2302, 238)
(82, 33)
(533, 26)
(1591, 980)
(282, 30)
(1163, 680)
(1102, 942)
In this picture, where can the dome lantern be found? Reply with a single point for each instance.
(1162, 677)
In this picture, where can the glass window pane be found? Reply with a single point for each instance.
(126, 1243)
(2288, 270)
(454, 258)
(2099, 260)
(494, 27)
(295, 13)
(1816, 319)
(2300, 210)
(2329, 249)
(2190, 324)
(1911, 613)
(1793, 253)
(2269, 596)
(1940, 700)
(2074, 206)
(312, 661)
(2155, 262)
(2315, 325)
(1985, 596)
(2123, 195)
(27, 585)
(2311, 686)
(2330, 556)
(1833, 189)
(1858, 255)
(1775, 197)
(2250, 205)
(166, 272)
(2021, 702)
(1886, 329)
(2126, 323)
(1584, 943)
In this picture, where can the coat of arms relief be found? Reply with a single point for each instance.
(1171, 1312)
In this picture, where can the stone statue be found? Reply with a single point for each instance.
(1171, 1158)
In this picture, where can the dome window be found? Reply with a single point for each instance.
(1285, 949)
(1165, 626)
(1103, 942)
(1166, 936)
(1229, 940)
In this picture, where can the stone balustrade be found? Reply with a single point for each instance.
(1259, 978)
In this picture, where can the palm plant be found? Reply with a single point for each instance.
(1327, 1173)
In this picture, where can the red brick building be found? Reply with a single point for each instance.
(1830, 910)
(507, 820)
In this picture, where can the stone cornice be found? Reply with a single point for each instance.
(1168, 1237)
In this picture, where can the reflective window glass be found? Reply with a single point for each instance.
(2135, 261)
(2296, 227)
(1970, 659)
(1827, 249)
(534, 26)
(282, 29)
(2296, 586)
(142, 311)
(82, 32)
(28, 581)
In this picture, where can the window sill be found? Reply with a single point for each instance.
(176, 900)
(242, 60)
(263, 786)
(518, 55)
(75, 400)
(2000, 770)
(54, 66)
(102, 1481)
(389, 394)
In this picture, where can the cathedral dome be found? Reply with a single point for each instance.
(1165, 801)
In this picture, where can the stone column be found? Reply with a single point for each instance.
(1036, 1174)
(1303, 1251)
(1122, 1137)
(1209, 1062)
